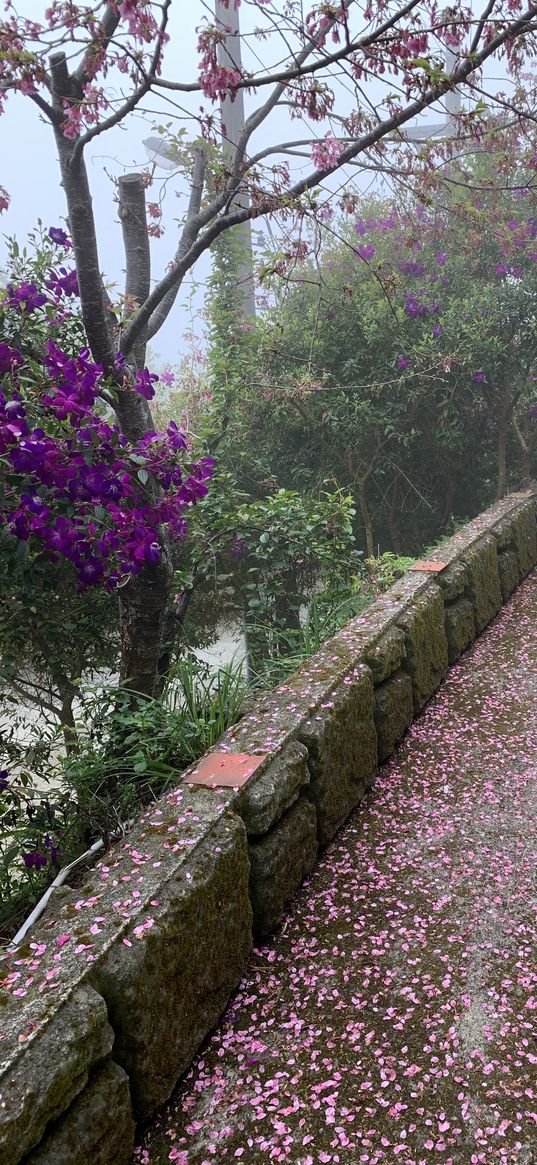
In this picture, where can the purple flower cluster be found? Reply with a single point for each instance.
(76, 485)
(415, 307)
(58, 236)
(412, 267)
(66, 283)
(25, 297)
(36, 860)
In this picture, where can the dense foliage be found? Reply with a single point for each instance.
(400, 363)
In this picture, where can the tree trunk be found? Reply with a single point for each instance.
(503, 433)
(448, 504)
(393, 518)
(366, 519)
(142, 610)
(67, 719)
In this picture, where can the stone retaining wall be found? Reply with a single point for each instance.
(104, 1008)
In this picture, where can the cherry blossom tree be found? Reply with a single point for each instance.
(349, 76)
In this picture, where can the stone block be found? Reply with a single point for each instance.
(460, 627)
(279, 863)
(483, 587)
(47, 1063)
(166, 989)
(386, 655)
(525, 536)
(266, 797)
(98, 1126)
(394, 712)
(503, 532)
(342, 745)
(453, 581)
(426, 643)
(509, 572)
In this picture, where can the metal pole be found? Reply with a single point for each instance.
(232, 113)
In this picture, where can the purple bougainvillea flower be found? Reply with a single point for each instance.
(54, 853)
(403, 362)
(66, 283)
(366, 252)
(414, 308)
(10, 358)
(442, 258)
(144, 383)
(480, 377)
(25, 297)
(501, 269)
(4, 780)
(34, 860)
(437, 330)
(59, 236)
(411, 267)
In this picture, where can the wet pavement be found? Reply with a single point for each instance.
(393, 1017)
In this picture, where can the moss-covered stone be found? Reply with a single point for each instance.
(509, 572)
(503, 531)
(525, 536)
(269, 793)
(460, 627)
(167, 988)
(42, 1074)
(426, 643)
(279, 863)
(394, 712)
(98, 1127)
(342, 746)
(386, 655)
(483, 588)
(453, 581)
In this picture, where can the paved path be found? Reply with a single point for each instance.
(393, 1018)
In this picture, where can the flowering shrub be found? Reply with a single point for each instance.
(72, 482)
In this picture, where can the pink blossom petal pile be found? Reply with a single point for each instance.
(393, 1017)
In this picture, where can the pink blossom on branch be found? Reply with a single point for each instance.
(326, 153)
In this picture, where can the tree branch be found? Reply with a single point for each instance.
(45, 108)
(81, 224)
(292, 73)
(106, 30)
(190, 231)
(134, 99)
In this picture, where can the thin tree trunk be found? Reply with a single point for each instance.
(448, 504)
(366, 519)
(67, 720)
(503, 434)
(393, 518)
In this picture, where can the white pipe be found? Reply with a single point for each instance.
(39, 909)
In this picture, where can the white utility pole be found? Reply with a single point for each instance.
(232, 114)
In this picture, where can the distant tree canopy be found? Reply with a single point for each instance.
(401, 360)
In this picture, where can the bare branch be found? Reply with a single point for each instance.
(105, 32)
(298, 70)
(45, 108)
(188, 236)
(135, 98)
(480, 26)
